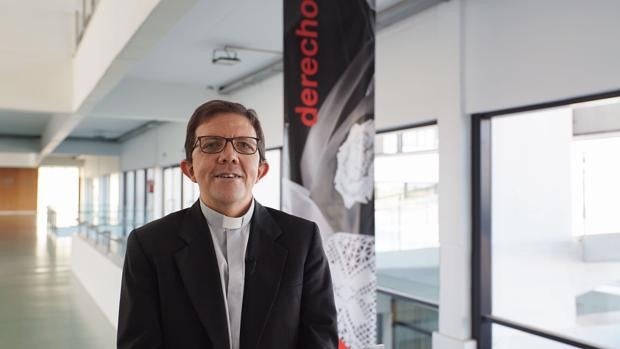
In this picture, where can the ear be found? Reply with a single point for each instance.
(188, 169)
(263, 168)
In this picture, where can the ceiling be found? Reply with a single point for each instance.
(22, 123)
(178, 66)
(184, 54)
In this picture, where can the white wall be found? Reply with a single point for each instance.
(417, 68)
(267, 98)
(163, 145)
(530, 51)
(160, 146)
(95, 166)
(99, 276)
(35, 62)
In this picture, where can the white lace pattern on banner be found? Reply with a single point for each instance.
(352, 263)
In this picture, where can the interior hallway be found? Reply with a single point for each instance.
(42, 305)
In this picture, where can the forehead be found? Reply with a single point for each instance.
(226, 125)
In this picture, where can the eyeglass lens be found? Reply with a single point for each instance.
(215, 144)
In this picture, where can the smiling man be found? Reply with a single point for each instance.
(226, 273)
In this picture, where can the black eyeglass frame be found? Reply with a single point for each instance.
(226, 140)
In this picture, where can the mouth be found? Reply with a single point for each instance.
(227, 175)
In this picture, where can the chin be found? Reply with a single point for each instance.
(230, 200)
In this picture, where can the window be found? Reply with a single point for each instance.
(407, 235)
(172, 189)
(130, 200)
(267, 190)
(140, 208)
(115, 201)
(406, 182)
(191, 192)
(150, 194)
(58, 189)
(547, 188)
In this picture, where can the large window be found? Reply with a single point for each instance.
(407, 236)
(547, 193)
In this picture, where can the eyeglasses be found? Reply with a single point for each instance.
(216, 144)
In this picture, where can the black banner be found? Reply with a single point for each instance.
(329, 49)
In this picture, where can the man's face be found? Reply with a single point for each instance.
(225, 179)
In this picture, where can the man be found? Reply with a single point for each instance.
(227, 272)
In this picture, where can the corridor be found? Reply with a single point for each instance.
(42, 305)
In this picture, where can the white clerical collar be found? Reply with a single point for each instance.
(218, 220)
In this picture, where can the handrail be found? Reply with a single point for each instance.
(412, 328)
(539, 332)
(398, 294)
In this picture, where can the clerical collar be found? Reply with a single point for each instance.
(218, 220)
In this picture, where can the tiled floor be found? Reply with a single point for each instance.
(42, 305)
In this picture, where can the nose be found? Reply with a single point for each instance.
(228, 155)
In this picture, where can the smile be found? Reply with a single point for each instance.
(227, 175)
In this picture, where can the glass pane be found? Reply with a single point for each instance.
(387, 143)
(596, 182)
(167, 191)
(172, 189)
(416, 315)
(140, 197)
(86, 215)
(544, 275)
(58, 189)
(96, 214)
(150, 194)
(267, 190)
(115, 192)
(190, 192)
(420, 139)
(177, 187)
(406, 216)
(406, 338)
(508, 338)
(129, 201)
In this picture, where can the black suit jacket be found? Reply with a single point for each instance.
(171, 294)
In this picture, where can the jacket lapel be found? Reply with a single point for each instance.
(198, 267)
(265, 260)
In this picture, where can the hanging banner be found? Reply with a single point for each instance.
(329, 49)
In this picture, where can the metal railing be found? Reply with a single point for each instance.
(413, 321)
(106, 238)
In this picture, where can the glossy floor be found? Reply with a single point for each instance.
(42, 305)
